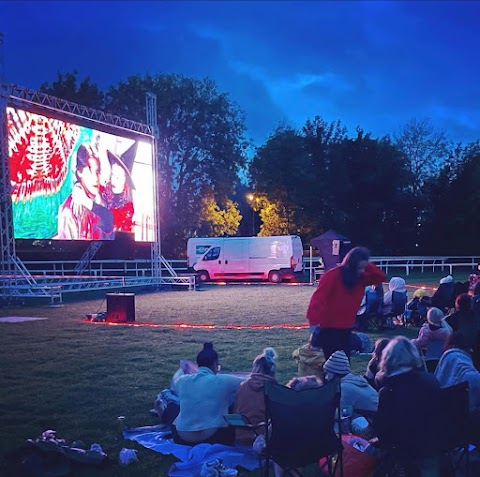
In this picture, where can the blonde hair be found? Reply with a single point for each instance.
(400, 356)
(305, 382)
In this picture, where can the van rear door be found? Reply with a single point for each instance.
(297, 254)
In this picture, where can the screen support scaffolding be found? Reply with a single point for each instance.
(13, 272)
(156, 253)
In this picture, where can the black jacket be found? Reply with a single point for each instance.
(408, 417)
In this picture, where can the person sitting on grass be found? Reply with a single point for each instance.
(356, 394)
(435, 329)
(204, 399)
(310, 357)
(249, 400)
(372, 366)
(408, 420)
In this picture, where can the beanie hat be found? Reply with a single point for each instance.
(207, 356)
(337, 363)
(265, 363)
(435, 316)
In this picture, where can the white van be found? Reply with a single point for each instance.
(239, 258)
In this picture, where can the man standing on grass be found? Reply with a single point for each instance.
(334, 305)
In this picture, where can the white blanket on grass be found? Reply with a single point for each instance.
(191, 458)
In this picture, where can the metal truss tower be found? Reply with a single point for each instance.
(11, 268)
(156, 251)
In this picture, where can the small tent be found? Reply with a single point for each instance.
(333, 247)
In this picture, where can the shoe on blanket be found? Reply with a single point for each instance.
(215, 468)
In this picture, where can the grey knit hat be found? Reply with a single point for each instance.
(337, 363)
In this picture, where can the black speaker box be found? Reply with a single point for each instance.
(120, 307)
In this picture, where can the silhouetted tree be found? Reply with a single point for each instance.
(66, 86)
(201, 144)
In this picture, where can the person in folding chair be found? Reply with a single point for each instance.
(409, 418)
(444, 296)
(416, 308)
(394, 303)
(456, 366)
(432, 337)
(358, 398)
(301, 418)
(370, 308)
(249, 400)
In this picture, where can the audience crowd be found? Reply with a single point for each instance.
(398, 393)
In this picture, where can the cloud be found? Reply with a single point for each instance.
(373, 64)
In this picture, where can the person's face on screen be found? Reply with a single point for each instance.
(90, 177)
(118, 179)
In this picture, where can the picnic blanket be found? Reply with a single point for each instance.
(158, 439)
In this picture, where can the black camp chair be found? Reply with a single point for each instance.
(399, 306)
(301, 427)
(372, 318)
(443, 298)
(456, 426)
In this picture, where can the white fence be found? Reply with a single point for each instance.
(313, 266)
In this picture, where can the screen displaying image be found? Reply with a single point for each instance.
(71, 182)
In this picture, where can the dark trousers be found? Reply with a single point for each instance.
(333, 339)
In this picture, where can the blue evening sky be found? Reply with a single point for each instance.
(374, 64)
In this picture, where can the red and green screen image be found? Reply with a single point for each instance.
(71, 182)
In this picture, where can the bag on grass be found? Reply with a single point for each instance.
(356, 463)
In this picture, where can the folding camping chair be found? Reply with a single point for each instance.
(399, 306)
(301, 427)
(433, 354)
(373, 310)
(455, 424)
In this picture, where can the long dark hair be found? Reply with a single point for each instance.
(350, 263)
(208, 356)
(84, 153)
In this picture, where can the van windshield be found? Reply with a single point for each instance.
(212, 254)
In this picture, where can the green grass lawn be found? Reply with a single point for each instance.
(77, 377)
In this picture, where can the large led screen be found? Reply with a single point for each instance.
(71, 182)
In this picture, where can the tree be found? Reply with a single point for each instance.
(375, 194)
(218, 222)
(66, 87)
(453, 222)
(325, 188)
(272, 216)
(201, 144)
(425, 149)
(279, 172)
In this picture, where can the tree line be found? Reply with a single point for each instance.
(411, 192)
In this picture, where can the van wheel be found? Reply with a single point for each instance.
(275, 277)
(203, 276)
